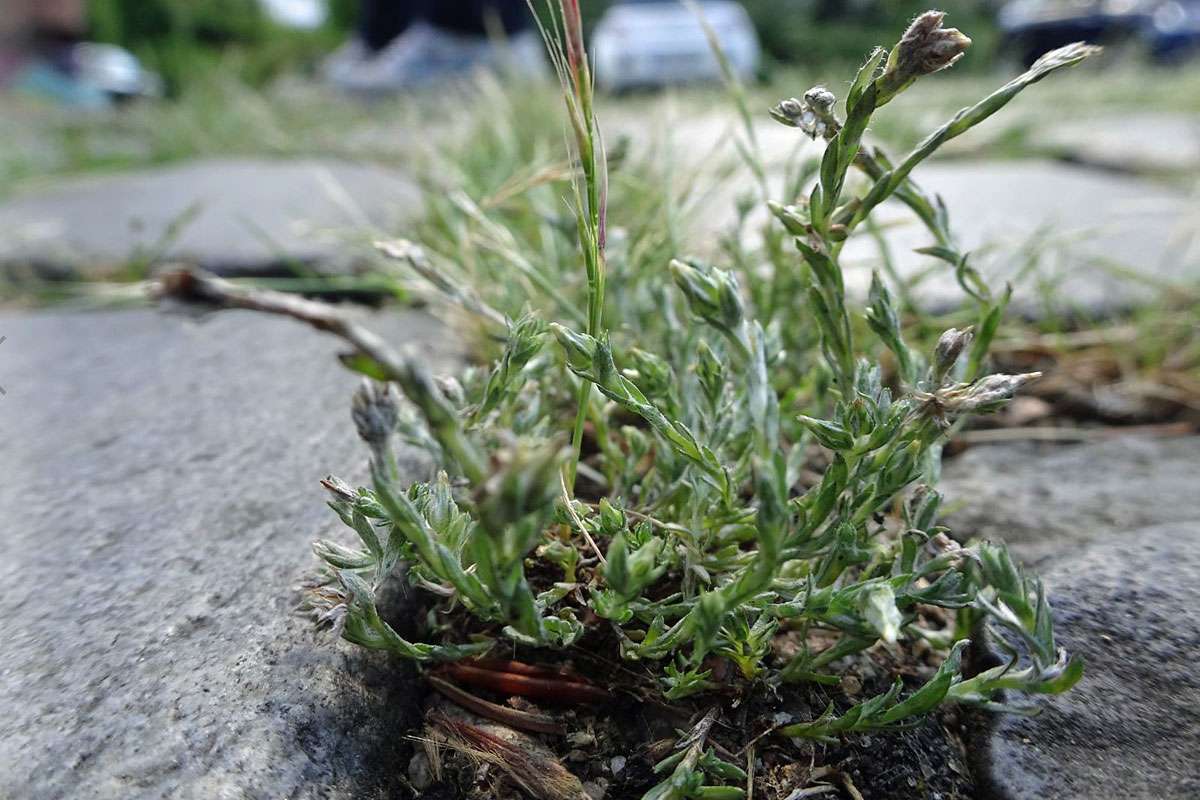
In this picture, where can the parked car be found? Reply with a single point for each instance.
(1175, 31)
(1167, 29)
(645, 43)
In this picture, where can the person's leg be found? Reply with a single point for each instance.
(474, 16)
(381, 21)
(443, 39)
(56, 26)
(45, 53)
(58, 17)
(31, 24)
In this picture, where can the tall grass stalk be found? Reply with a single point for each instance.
(564, 43)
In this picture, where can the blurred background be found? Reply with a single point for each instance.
(94, 54)
(269, 65)
(257, 41)
(273, 140)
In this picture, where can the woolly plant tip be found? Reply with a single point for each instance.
(339, 488)
(926, 47)
(813, 115)
(879, 609)
(950, 346)
(375, 412)
(987, 394)
(1065, 56)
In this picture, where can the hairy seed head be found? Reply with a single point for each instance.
(987, 394)
(926, 47)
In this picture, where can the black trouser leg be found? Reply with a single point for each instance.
(471, 16)
(380, 21)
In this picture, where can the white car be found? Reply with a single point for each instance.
(643, 43)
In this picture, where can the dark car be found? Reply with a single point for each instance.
(1175, 31)
(1168, 29)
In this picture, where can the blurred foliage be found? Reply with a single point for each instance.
(181, 38)
(821, 32)
(834, 31)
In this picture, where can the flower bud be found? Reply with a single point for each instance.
(950, 346)
(712, 293)
(612, 519)
(829, 434)
(788, 112)
(579, 347)
(375, 411)
(604, 369)
(899, 470)
(813, 115)
(926, 47)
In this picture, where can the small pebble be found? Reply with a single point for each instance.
(420, 775)
(581, 739)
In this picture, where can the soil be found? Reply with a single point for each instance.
(615, 751)
(612, 749)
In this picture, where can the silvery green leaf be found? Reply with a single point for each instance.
(879, 609)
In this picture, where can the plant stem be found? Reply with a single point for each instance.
(575, 76)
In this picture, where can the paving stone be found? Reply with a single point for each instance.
(1049, 500)
(1067, 237)
(1130, 606)
(234, 216)
(1143, 142)
(160, 491)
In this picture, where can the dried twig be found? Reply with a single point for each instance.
(204, 287)
(566, 497)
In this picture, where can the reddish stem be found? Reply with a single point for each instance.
(553, 690)
(522, 720)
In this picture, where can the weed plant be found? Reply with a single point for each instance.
(685, 469)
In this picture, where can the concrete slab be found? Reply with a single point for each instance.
(160, 496)
(235, 216)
